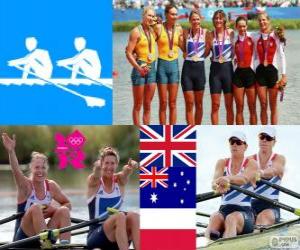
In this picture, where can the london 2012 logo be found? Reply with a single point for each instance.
(55, 62)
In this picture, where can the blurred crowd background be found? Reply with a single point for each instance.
(137, 4)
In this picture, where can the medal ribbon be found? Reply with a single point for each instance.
(170, 39)
(196, 43)
(221, 47)
(265, 50)
(148, 36)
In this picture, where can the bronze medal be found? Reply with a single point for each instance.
(266, 63)
(195, 58)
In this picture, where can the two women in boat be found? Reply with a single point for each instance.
(106, 188)
(255, 58)
(238, 212)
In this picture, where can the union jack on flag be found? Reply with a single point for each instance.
(153, 177)
(169, 145)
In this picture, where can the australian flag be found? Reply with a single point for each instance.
(162, 187)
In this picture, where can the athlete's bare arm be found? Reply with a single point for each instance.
(277, 168)
(123, 176)
(22, 182)
(93, 179)
(208, 42)
(132, 42)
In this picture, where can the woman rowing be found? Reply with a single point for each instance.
(244, 76)
(106, 190)
(269, 49)
(169, 39)
(35, 195)
(235, 215)
(221, 69)
(140, 53)
(271, 167)
(193, 73)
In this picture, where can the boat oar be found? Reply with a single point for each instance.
(202, 214)
(275, 203)
(94, 80)
(20, 214)
(200, 224)
(80, 232)
(207, 196)
(281, 188)
(90, 100)
(11, 218)
(45, 237)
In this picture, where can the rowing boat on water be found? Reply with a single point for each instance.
(261, 239)
(56, 247)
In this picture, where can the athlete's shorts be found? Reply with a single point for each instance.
(244, 78)
(137, 79)
(220, 77)
(245, 211)
(20, 235)
(193, 76)
(258, 206)
(167, 71)
(266, 76)
(97, 239)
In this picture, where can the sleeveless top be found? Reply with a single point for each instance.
(227, 51)
(33, 199)
(99, 203)
(195, 48)
(264, 189)
(163, 44)
(244, 51)
(268, 47)
(142, 47)
(233, 197)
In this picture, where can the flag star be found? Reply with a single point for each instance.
(154, 198)
(182, 173)
(184, 189)
(174, 184)
(181, 201)
(188, 182)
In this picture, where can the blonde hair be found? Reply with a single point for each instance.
(146, 9)
(37, 155)
(108, 151)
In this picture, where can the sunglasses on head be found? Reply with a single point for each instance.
(236, 141)
(265, 137)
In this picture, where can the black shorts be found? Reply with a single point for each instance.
(244, 78)
(266, 76)
(258, 206)
(97, 239)
(193, 76)
(245, 211)
(220, 77)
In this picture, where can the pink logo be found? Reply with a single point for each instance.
(69, 149)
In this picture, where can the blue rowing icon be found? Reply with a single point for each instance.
(56, 67)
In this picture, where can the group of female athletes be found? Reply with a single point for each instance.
(241, 64)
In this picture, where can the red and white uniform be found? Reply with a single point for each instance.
(268, 47)
(244, 51)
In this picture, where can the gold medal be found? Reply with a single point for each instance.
(221, 59)
(171, 53)
(266, 63)
(195, 58)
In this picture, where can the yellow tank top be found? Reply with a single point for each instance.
(163, 45)
(142, 47)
